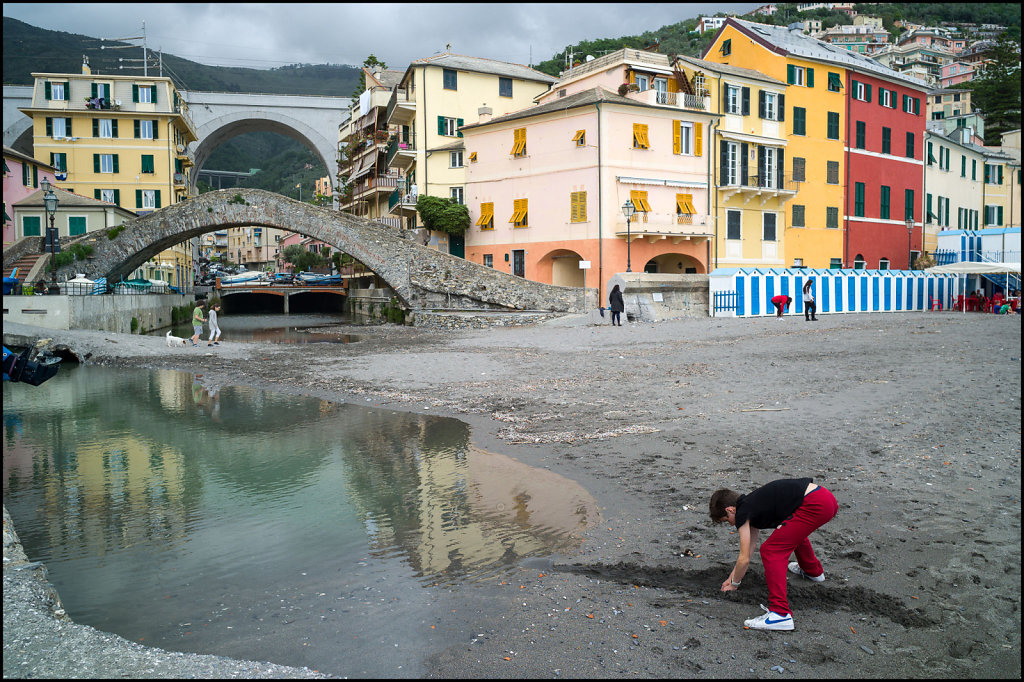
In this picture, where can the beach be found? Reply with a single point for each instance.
(912, 421)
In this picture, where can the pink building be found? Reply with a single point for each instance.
(956, 72)
(22, 175)
(546, 185)
(302, 240)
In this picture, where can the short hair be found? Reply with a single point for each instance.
(721, 499)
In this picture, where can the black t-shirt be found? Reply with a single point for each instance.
(771, 504)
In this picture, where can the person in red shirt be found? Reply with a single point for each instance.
(793, 508)
(781, 301)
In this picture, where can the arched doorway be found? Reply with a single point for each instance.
(565, 268)
(674, 264)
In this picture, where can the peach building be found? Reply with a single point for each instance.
(546, 186)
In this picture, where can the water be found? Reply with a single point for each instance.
(251, 524)
(270, 327)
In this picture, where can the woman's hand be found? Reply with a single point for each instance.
(727, 586)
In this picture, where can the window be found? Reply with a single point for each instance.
(56, 91)
(148, 198)
(799, 121)
(519, 142)
(661, 88)
(963, 166)
(931, 156)
(737, 100)
(643, 82)
(455, 159)
(835, 263)
(974, 169)
(858, 199)
(832, 217)
(504, 87)
(489, 260)
(144, 130)
(886, 140)
(911, 105)
(858, 262)
(835, 82)
(731, 162)
(449, 127)
(684, 209)
(580, 138)
(861, 91)
(883, 264)
(578, 207)
(910, 145)
(768, 227)
(486, 219)
(104, 163)
(832, 128)
(726, 48)
(639, 199)
(107, 195)
(770, 106)
(883, 211)
(682, 141)
(58, 127)
(457, 194)
(993, 215)
(860, 139)
(908, 204)
(733, 225)
(59, 160)
(767, 166)
(640, 140)
(832, 172)
(799, 169)
(76, 225)
(798, 75)
(520, 211)
(104, 127)
(145, 95)
(31, 225)
(451, 79)
(798, 219)
(887, 98)
(147, 164)
(472, 157)
(102, 91)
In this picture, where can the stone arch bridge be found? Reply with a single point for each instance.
(422, 278)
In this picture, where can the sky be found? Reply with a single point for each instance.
(265, 35)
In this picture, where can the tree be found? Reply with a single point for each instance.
(443, 215)
(302, 259)
(997, 90)
(368, 63)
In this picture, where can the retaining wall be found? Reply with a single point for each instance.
(110, 313)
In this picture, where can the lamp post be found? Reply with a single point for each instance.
(628, 209)
(50, 203)
(910, 231)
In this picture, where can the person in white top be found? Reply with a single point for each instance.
(810, 307)
(214, 327)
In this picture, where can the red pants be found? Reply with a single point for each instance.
(818, 508)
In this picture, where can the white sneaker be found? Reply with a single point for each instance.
(770, 621)
(794, 567)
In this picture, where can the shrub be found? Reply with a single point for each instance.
(114, 231)
(135, 324)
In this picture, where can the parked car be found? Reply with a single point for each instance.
(282, 278)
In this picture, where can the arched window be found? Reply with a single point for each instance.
(883, 264)
(858, 262)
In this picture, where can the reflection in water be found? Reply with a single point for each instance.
(152, 496)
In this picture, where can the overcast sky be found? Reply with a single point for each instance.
(269, 35)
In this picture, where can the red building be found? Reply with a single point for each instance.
(885, 169)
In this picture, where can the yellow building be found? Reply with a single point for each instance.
(119, 139)
(435, 97)
(813, 125)
(749, 171)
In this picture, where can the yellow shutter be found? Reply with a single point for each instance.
(486, 214)
(684, 204)
(698, 139)
(639, 198)
(519, 213)
(519, 142)
(578, 207)
(472, 157)
(640, 136)
(578, 137)
(677, 137)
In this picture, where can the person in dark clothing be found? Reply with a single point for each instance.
(781, 301)
(810, 307)
(616, 304)
(794, 508)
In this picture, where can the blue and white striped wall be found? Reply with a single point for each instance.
(835, 291)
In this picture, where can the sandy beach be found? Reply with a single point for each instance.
(912, 420)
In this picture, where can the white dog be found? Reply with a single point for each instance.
(173, 341)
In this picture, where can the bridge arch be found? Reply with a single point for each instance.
(422, 278)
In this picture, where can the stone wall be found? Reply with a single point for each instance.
(650, 297)
(110, 313)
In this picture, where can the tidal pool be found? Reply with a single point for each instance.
(246, 523)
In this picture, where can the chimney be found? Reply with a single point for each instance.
(85, 65)
(484, 113)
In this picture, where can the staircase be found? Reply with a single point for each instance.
(1001, 281)
(24, 266)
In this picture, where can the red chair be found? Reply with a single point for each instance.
(960, 303)
(972, 303)
(934, 303)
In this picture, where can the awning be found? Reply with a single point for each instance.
(754, 139)
(975, 268)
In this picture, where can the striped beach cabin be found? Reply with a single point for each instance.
(747, 292)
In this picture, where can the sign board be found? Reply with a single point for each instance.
(584, 265)
(657, 297)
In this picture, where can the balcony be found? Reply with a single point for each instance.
(676, 100)
(402, 106)
(402, 204)
(179, 179)
(764, 187)
(678, 227)
(379, 183)
(401, 154)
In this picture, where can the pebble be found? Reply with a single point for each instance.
(867, 649)
(778, 669)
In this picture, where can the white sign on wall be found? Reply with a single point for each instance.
(584, 265)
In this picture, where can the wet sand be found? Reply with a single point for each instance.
(911, 420)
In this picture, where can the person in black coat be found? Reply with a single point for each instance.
(616, 304)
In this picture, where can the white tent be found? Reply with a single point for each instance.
(977, 268)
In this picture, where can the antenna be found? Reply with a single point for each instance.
(145, 55)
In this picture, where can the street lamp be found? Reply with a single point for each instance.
(628, 209)
(910, 231)
(50, 203)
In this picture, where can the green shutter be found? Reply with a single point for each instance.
(138, 198)
(810, 78)
(867, 92)
(76, 225)
(156, 127)
(999, 178)
(94, 93)
(117, 192)
(46, 90)
(917, 106)
(986, 173)
(115, 162)
(999, 215)
(95, 127)
(440, 125)
(790, 74)
(96, 194)
(30, 226)
(458, 124)
(49, 126)
(35, 176)
(136, 127)
(26, 174)
(113, 127)
(157, 198)
(67, 127)
(153, 98)
(135, 93)
(95, 163)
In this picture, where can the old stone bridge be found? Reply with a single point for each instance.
(422, 278)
